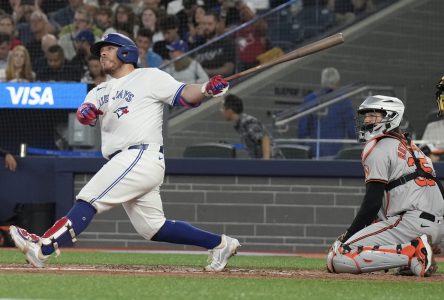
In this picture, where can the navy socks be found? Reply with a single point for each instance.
(179, 232)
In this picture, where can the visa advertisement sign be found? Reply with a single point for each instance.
(42, 95)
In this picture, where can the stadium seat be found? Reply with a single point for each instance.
(291, 151)
(210, 150)
(350, 153)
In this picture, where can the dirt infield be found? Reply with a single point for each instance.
(191, 271)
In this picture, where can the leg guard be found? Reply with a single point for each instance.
(52, 235)
(67, 228)
(342, 259)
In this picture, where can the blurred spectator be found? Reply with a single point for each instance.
(124, 20)
(57, 69)
(25, 33)
(185, 69)
(83, 42)
(218, 57)
(83, 20)
(19, 67)
(47, 41)
(5, 42)
(108, 3)
(39, 26)
(432, 151)
(433, 133)
(49, 6)
(228, 12)
(153, 4)
(65, 16)
(332, 123)
(7, 25)
(10, 162)
(95, 74)
(147, 57)
(346, 11)
(22, 9)
(195, 36)
(252, 40)
(185, 16)
(169, 25)
(104, 19)
(149, 19)
(316, 16)
(258, 141)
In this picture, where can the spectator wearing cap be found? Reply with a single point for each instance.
(432, 151)
(185, 69)
(147, 57)
(82, 43)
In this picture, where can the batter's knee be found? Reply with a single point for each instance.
(149, 229)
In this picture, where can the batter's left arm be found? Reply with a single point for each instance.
(196, 93)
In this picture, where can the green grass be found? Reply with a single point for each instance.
(153, 287)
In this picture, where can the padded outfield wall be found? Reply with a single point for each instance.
(291, 205)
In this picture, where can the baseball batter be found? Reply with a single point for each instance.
(400, 179)
(129, 109)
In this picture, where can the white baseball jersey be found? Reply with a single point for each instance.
(388, 160)
(133, 108)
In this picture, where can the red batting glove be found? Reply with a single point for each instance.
(87, 113)
(216, 86)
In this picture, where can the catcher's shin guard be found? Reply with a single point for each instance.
(342, 259)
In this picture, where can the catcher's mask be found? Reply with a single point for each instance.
(440, 97)
(392, 110)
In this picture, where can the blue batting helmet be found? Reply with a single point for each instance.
(127, 52)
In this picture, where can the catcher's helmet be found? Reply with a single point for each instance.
(127, 52)
(392, 109)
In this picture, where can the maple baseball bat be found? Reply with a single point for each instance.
(306, 50)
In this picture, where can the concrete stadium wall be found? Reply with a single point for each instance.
(264, 213)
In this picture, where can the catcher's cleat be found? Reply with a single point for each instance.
(421, 261)
(218, 257)
(28, 244)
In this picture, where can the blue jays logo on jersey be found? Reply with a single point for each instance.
(121, 111)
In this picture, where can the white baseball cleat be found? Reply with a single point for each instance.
(219, 256)
(28, 244)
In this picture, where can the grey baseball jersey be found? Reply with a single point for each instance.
(386, 160)
(389, 159)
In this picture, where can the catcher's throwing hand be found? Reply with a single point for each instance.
(216, 86)
(10, 162)
(87, 113)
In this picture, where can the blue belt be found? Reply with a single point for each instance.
(141, 146)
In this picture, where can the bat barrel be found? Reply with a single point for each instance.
(309, 49)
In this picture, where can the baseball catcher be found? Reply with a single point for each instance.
(401, 181)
